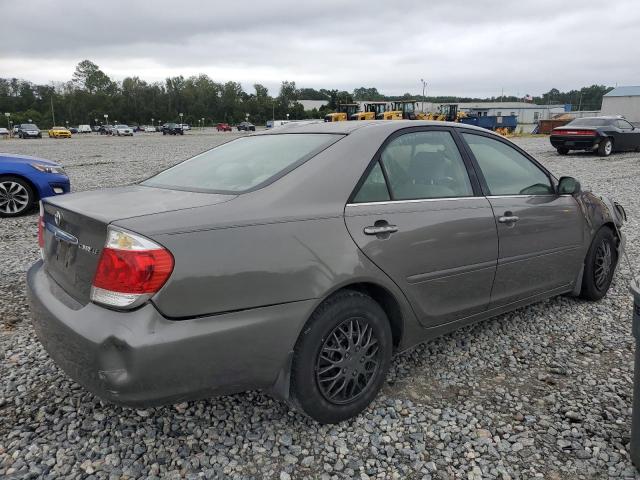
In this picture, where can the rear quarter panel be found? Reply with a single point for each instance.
(238, 268)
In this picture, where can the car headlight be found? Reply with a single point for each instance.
(47, 168)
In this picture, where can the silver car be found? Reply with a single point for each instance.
(299, 260)
(122, 130)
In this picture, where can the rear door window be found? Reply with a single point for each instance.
(417, 165)
(425, 165)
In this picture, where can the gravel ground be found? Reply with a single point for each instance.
(543, 392)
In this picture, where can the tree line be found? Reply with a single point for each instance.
(91, 94)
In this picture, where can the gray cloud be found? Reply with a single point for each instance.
(459, 47)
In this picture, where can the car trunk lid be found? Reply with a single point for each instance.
(75, 227)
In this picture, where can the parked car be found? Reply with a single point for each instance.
(246, 126)
(15, 130)
(73, 130)
(322, 269)
(29, 130)
(59, 132)
(4, 132)
(185, 126)
(96, 128)
(25, 180)
(84, 129)
(149, 129)
(172, 129)
(223, 127)
(122, 130)
(603, 135)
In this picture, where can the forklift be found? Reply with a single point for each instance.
(345, 112)
(448, 113)
(372, 111)
(404, 110)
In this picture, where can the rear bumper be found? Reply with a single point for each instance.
(575, 143)
(140, 358)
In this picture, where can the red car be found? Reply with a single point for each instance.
(223, 127)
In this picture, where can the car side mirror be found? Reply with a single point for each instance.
(568, 186)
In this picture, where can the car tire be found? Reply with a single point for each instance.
(563, 150)
(327, 352)
(605, 148)
(21, 191)
(599, 265)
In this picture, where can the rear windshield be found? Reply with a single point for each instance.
(243, 164)
(590, 122)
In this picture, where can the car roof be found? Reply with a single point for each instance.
(351, 126)
(602, 117)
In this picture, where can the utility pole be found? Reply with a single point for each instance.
(424, 86)
(53, 115)
(580, 102)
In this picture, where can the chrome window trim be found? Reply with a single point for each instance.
(416, 200)
(524, 196)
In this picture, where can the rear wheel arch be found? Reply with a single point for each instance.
(383, 297)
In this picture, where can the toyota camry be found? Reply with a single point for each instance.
(298, 261)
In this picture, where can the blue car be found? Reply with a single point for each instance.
(25, 180)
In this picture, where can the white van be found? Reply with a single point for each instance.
(84, 129)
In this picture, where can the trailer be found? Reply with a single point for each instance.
(503, 123)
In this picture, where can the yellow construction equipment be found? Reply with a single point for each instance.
(345, 112)
(447, 113)
(404, 109)
(372, 110)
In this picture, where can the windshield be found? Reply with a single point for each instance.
(590, 122)
(122, 126)
(29, 126)
(242, 164)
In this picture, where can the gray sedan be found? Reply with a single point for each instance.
(298, 261)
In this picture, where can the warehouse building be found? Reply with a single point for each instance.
(623, 101)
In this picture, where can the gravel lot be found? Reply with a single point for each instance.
(543, 392)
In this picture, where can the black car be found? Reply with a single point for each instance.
(601, 134)
(73, 129)
(105, 129)
(28, 130)
(172, 129)
(246, 126)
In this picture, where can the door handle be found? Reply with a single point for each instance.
(508, 218)
(380, 229)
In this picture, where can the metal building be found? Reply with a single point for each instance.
(623, 101)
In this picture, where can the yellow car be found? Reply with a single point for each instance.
(59, 132)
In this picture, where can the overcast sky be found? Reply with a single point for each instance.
(463, 48)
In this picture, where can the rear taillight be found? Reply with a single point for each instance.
(130, 270)
(588, 133)
(41, 230)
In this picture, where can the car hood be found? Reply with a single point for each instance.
(121, 203)
(6, 157)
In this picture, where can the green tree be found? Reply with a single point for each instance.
(88, 76)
